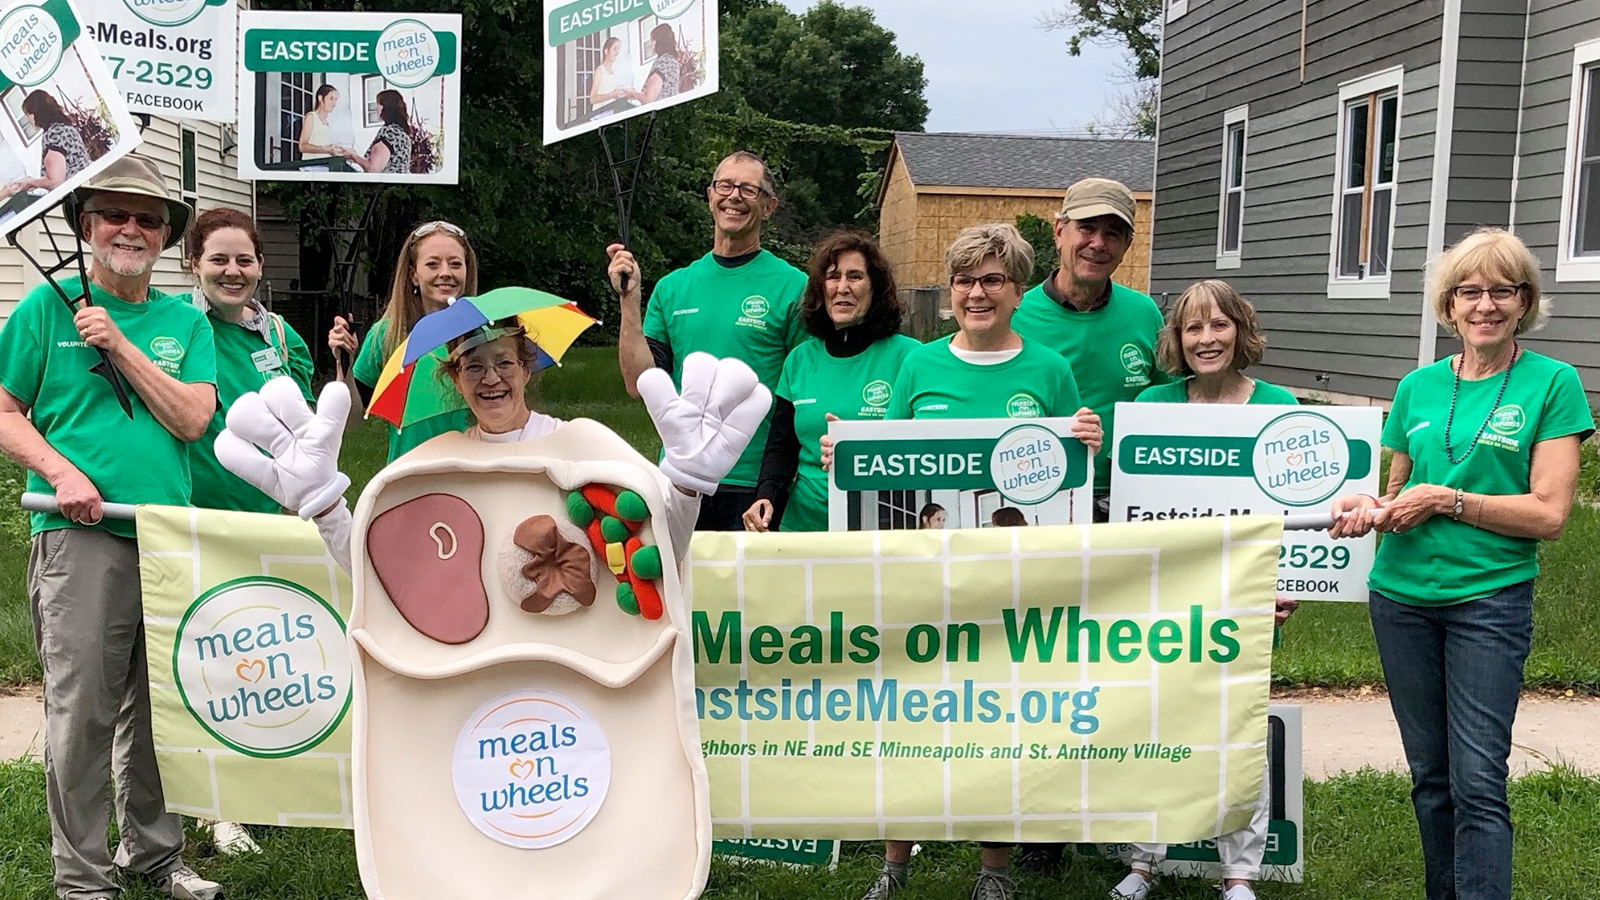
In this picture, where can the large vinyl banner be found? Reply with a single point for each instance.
(1101, 684)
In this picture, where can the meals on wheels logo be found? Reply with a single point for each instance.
(670, 9)
(1024, 406)
(261, 664)
(1301, 458)
(531, 769)
(1508, 420)
(1028, 464)
(1133, 360)
(167, 348)
(407, 53)
(877, 393)
(755, 307)
(31, 45)
(169, 12)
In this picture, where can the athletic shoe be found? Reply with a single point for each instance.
(231, 839)
(1239, 892)
(183, 883)
(993, 887)
(1134, 887)
(884, 888)
(1040, 859)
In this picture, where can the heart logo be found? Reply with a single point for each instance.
(521, 768)
(1294, 459)
(243, 670)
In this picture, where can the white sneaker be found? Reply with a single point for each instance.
(1135, 886)
(184, 883)
(1239, 892)
(231, 839)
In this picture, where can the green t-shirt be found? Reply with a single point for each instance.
(1112, 351)
(1178, 392)
(750, 312)
(45, 365)
(245, 362)
(858, 387)
(426, 387)
(934, 383)
(1443, 561)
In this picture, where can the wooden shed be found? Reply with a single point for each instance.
(937, 184)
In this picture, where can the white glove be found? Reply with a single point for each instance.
(706, 427)
(301, 470)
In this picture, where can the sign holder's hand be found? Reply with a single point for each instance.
(1087, 428)
(827, 444)
(758, 516)
(707, 425)
(301, 467)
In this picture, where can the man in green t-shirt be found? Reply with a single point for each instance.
(63, 424)
(738, 300)
(1106, 331)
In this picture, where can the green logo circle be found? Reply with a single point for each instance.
(166, 13)
(261, 663)
(167, 348)
(33, 43)
(755, 307)
(1508, 420)
(406, 53)
(877, 393)
(1133, 360)
(1028, 464)
(670, 9)
(1301, 458)
(1024, 406)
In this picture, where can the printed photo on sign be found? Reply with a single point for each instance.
(329, 96)
(958, 473)
(609, 60)
(172, 58)
(1187, 460)
(61, 117)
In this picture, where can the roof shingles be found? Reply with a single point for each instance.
(1015, 161)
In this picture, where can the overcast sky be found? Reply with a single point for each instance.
(990, 68)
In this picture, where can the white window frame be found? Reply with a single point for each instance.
(1585, 57)
(1238, 116)
(1176, 9)
(1371, 287)
(188, 138)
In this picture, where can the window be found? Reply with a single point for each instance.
(189, 181)
(1578, 258)
(1176, 8)
(11, 99)
(588, 50)
(371, 116)
(296, 96)
(898, 509)
(1364, 197)
(1230, 217)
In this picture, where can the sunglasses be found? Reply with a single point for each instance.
(119, 217)
(427, 228)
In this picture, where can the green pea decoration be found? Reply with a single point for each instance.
(632, 507)
(613, 530)
(579, 510)
(626, 600)
(646, 562)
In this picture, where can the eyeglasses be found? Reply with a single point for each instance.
(991, 282)
(1500, 293)
(119, 217)
(725, 188)
(427, 228)
(475, 372)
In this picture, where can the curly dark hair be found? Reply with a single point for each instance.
(885, 310)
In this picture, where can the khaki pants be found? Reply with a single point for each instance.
(88, 626)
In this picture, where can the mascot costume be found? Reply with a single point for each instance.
(523, 696)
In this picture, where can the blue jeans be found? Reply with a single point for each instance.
(1454, 675)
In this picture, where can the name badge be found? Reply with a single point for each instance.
(267, 359)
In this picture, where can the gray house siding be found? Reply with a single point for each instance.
(1225, 54)
(1553, 28)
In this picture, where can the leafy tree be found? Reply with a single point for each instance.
(1134, 25)
(1041, 236)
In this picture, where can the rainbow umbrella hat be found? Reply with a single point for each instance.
(401, 399)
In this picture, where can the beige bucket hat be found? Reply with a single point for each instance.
(133, 174)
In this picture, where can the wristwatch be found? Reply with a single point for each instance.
(1460, 496)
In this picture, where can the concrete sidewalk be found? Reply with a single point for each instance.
(1343, 733)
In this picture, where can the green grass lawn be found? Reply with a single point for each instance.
(1361, 843)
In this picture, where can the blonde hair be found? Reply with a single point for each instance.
(1490, 252)
(1249, 344)
(999, 240)
(405, 299)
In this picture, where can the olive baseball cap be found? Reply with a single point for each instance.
(1092, 197)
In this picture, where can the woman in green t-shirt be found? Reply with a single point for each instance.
(984, 371)
(1485, 466)
(852, 310)
(1211, 335)
(437, 264)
